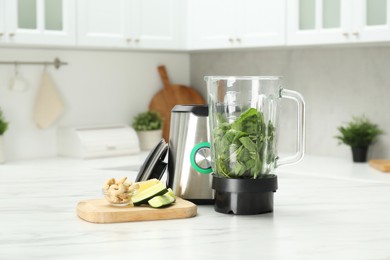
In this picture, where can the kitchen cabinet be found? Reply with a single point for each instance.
(235, 23)
(145, 24)
(2, 20)
(337, 21)
(37, 22)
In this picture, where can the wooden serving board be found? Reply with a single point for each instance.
(382, 165)
(101, 211)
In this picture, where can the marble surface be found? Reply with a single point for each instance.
(325, 208)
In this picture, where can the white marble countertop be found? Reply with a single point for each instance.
(325, 208)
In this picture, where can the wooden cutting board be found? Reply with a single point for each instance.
(100, 211)
(171, 95)
(382, 165)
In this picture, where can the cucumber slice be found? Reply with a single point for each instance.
(170, 192)
(144, 196)
(161, 201)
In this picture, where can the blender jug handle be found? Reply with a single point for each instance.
(298, 98)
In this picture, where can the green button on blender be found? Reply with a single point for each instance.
(200, 158)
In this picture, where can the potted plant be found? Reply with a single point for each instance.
(149, 129)
(359, 134)
(3, 129)
(244, 157)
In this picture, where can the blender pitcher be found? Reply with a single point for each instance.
(243, 118)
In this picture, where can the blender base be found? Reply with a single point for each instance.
(244, 196)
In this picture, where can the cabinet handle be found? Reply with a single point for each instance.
(238, 39)
(1, 34)
(128, 40)
(11, 34)
(345, 34)
(355, 34)
(231, 39)
(136, 40)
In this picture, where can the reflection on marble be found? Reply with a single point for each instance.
(316, 217)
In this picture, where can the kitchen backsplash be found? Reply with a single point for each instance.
(337, 83)
(105, 87)
(98, 87)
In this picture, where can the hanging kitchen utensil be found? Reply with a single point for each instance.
(17, 82)
(171, 95)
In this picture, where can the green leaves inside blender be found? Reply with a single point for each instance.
(245, 147)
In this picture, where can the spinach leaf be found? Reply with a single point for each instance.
(244, 148)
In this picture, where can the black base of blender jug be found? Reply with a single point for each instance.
(244, 196)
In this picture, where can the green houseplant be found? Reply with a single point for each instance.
(359, 134)
(3, 123)
(149, 128)
(3, 129)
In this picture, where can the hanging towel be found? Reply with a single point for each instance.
(49, 105)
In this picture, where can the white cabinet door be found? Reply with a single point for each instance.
(318, 21)
(337, 21)
(43, 22)
(2, 21)
(260, 23)
(142, 24)
(158, 23)
(371, 20)
(236, 23)
(212, 24)
(104, 23)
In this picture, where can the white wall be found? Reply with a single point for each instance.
(102, 87)
(98, 87)
(337, 83)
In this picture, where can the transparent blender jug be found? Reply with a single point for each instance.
(243, 117)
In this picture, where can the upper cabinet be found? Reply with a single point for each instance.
(192, 24)
(371, 20)
(2, 21)
(337, 21)
(235, 23)
(37, 22)
(104, 23)
(145, 24)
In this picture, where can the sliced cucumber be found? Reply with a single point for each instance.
(170, 192)
(162, 200)
(143, 197)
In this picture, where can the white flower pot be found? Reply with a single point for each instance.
(2, 156)
(149, 139)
